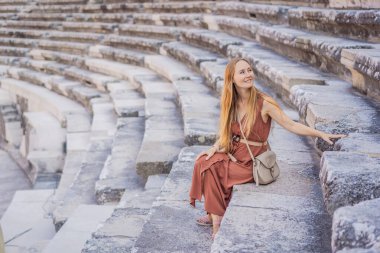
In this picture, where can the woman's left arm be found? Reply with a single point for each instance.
(283, 120)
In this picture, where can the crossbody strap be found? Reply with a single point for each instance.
(256, 171)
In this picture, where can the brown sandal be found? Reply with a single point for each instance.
(204, 221)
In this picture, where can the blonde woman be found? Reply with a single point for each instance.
(214, 173)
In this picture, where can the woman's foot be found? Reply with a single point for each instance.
(216, 220)
(204, 220)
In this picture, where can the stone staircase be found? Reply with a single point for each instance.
(123, 86)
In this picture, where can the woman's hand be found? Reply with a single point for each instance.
(326, 137)
(209, 153)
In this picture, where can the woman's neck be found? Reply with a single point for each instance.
(243, 94)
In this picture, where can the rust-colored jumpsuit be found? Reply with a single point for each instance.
(215, 177)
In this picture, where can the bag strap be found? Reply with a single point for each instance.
(256, 174)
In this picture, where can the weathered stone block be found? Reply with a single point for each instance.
(348, 178)
(357, 228)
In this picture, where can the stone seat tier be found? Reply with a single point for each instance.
(159, 107)
(126, 100)
(196, 6)
(349, 178)
(47, 2)
(10, 119)
(200, 118)
(28, 212)
(78, 229)
(346, 58)
(119, 172)
(10, 8)
(275, 69)
(73, 90)
(81, 190)
(172, 207)
(362, 24)
(40, 99)
(354, 228)
(13, 2)
(46, 155)
(75, 17)
(131, 212)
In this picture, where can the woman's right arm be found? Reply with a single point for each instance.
(214, 149)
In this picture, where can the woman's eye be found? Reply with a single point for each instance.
(249, 70)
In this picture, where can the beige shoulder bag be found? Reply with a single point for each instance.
(264, 166)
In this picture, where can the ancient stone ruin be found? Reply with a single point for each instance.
(104, 105)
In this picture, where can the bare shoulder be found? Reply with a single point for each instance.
(269, 104)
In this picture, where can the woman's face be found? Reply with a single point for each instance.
(243, 76)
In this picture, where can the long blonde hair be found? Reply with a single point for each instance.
(229, 106)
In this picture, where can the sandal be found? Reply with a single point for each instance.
(204, 221)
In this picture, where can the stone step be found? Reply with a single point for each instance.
(44, 16)
(170, 218)
(137, 43)
(311, 3)
(116, 54)
(81, 190)
(71, 167)
(41, 99)
(200, 125)
(275, 14)
(9, 171)
(78, 229)
(126, 100)
(31, 24)
(10, 8)
(94, 27)
(13, 51)
(211, 40)
(13, 2)
(10, 120)
(339, 56)
(104, 119)
(334, 22)
(161, 142)
(46, 156)
(356, 228)
(36, 73)
(69, 8)
(47, 2)
(150, 31)
(352, 112)
(26, 221)
(75, 36)
(132, 212)
(344, 184)
(119, 173)
(191, 56)
(176, 20)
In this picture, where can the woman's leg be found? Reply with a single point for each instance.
(216, 220)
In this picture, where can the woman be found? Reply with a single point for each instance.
(214, 172)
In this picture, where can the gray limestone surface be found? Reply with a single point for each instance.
(12, 179)
(170, 226)
(357, 227)
(348, 178)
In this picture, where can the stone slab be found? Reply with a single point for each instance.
(172, 220)
(28, 213)
(357, 227)
(348, 178)
(78, 228)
